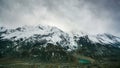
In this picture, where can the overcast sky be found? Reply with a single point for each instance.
(92, 16)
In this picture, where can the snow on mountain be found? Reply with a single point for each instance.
(104, 38)
(26, 32)
(2, 29)
(37, 39)
(98, 38)
(54, 35)
(32, 33)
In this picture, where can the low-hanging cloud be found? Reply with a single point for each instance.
(85, 15)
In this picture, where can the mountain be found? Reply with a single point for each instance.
(97, 46)
(38, 33)
(48, 43)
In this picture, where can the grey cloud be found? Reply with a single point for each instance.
(92, 16)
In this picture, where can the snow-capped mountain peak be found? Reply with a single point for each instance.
(96, 38)
(104, 38)
(37, 33)
(37, 39)
(54, 35)
(27, 31)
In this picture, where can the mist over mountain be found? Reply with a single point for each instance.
(101, 16)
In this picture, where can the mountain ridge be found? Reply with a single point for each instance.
(36, 40)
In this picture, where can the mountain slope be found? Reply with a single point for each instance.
(98, 46)
(47, 43)
(37, 33)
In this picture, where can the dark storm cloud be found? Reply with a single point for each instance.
(92, 16)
